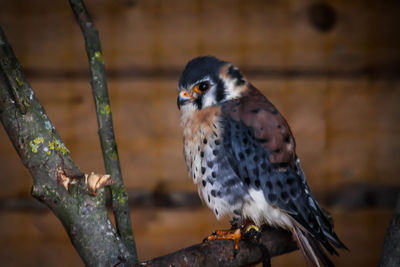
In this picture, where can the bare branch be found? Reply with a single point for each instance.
(106, 132)
(273, 242)
(43, 152)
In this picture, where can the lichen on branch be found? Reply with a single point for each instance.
(44, 154)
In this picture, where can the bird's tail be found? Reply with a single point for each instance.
(312, 249)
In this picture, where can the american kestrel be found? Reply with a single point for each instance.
(240, 152)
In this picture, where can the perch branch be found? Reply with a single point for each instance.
(44, 154)
(119, 197)
(391, 246)
(220, 252)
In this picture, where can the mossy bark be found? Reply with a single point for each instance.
(44, 154)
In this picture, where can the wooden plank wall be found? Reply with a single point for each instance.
(331, 67)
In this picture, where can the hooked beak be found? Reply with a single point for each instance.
(183, 98)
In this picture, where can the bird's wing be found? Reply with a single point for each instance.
(262, 153)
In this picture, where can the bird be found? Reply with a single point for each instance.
(241, 154)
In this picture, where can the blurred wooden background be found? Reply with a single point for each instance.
(331, 67)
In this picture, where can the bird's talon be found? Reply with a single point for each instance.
(233, 234)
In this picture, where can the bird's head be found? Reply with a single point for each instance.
(208, 81)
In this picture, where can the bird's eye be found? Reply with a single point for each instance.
(201, 87)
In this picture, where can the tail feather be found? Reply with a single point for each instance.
(321, 253)
(312, 249)
(305, 248)
(329, 248)
(335, 240)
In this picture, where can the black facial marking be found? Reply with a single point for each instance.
(204, 183)
(220, 90)
(234, 73)
(199, 101)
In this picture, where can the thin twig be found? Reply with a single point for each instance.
(106, 132)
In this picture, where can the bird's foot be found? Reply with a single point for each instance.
(240, 230)
(232, 234)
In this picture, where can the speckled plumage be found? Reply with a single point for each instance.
(240, 152)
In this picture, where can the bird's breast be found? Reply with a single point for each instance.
(201, 138)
